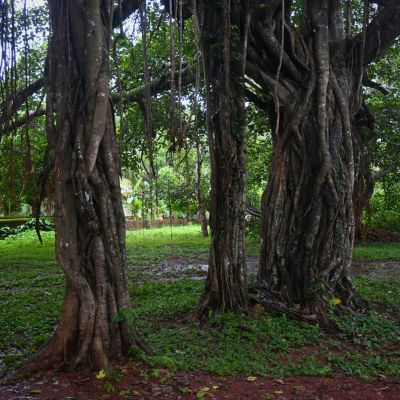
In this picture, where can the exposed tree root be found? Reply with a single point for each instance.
(314, 313)
(210, 303)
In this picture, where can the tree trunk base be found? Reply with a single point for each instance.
(209, 305)
(315, 313)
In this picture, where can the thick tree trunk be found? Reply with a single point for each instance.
(223, 40)
(307, 223)
(89, 219)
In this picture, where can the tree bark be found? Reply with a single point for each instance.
(307, 223)
(89, 219)
(223, 29)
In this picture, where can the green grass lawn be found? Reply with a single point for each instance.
(31, 294)
(377, 251)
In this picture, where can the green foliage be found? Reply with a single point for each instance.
(382, 291)
(383, 141)
(259, 153)
(384, 208)
(260, 343)
(45, 224)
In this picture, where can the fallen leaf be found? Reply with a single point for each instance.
(101, 374)
(336, 301)
(279, 380)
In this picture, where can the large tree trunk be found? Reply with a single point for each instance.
(307, 211)
(223, 29)
(89, 219)
(307, 224)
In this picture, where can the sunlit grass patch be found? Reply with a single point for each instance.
(377, 251)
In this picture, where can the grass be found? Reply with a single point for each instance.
(153, 245)
(377, 251)
(260, 343)
(31, 294)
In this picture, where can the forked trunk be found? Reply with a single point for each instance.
(223, 31)
(89, 219)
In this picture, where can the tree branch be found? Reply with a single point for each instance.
(157, 86)
(381, 32)
(391, 168)
(8, 110)
(26, 119)
(374, 85)
(128, 7)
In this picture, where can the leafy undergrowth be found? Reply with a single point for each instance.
(45, 224)
(262, 344)
(259, 344)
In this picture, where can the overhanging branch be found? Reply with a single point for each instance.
(157, 86)
(381, 32)
(128, 7)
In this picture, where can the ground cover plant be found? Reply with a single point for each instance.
(165, 294)
(44, 224)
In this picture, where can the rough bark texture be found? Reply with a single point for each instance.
(314, 75)
(89, 219)
(223, 28)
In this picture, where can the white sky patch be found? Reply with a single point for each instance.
(29, 3)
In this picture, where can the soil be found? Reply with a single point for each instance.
(139, 382)
(176, 268)
(389, 270)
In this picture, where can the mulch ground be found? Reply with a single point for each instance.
(139, 382)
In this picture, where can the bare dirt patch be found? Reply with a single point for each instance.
(139, 382)
(378, 269)
(175, 268)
